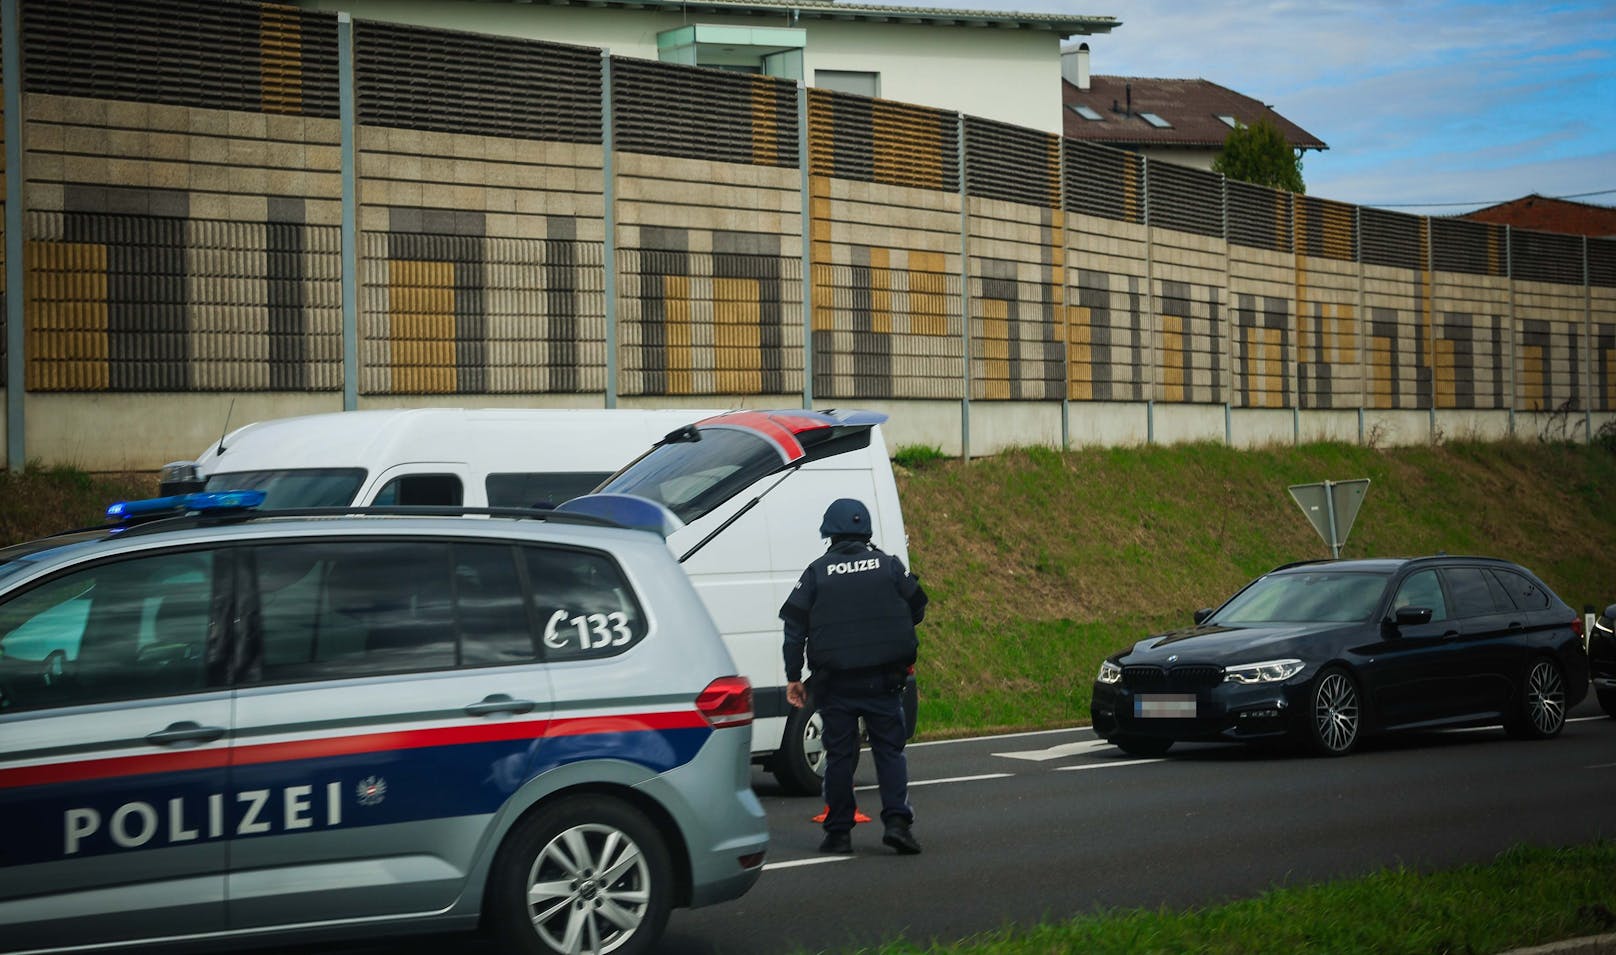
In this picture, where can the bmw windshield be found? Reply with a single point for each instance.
(1320, 596)
(298, 487)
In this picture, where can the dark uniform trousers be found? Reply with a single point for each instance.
(843, 700)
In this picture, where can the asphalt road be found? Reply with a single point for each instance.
(1019, 829)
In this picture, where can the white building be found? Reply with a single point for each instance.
(996, 65)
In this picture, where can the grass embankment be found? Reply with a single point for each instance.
(1525, 897)
(1040, 563)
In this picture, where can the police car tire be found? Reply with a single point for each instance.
(597, 819)
(791, 766)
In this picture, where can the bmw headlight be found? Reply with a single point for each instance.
(1109, 672)
(1269, 671)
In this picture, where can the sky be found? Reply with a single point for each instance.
(1428, 106)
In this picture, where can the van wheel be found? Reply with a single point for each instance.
(799, 766)
(584, 875)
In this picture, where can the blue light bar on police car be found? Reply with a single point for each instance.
(200, 502)
(625, 510)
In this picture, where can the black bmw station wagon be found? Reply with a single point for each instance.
(1326, 653)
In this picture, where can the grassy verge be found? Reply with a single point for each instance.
(1527, 896)
(37, 501)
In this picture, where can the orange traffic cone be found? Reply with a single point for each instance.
(858, 816)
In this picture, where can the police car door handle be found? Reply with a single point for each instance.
(500, 703)
(185, 731)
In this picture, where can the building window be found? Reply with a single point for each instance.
(774, 51)
(1156, 121)
(1086, 113)
(849, 81)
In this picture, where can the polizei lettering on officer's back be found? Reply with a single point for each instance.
(853, 566)
(134, 825)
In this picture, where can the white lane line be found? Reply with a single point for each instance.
(1060, 751)
(1107, 765)
(794, 863)
(1601, 766)
(979, 739)
(933, 782)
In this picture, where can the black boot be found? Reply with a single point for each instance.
(900, 838)
(840, 843)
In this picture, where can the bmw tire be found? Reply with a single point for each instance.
(1334, 713)
(1607, 702)
(588, 875)
(799, 765)
(1540, 705)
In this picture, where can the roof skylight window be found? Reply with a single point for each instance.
(1156, 121)
(1230, 121)
(1086, 113)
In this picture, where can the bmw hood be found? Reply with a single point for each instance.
(1224, 645)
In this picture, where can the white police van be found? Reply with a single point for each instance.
(497, 457)
(747, 490)
(236, 726)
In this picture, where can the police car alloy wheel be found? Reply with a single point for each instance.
(588, 875)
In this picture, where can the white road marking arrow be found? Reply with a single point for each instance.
(1061, 751)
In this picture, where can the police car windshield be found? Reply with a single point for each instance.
(296, 487)
(691, 478)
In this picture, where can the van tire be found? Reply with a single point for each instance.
(591, 831)
(799, 765)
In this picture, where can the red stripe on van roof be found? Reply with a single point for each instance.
(779, 427)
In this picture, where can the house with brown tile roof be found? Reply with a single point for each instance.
(1547, 214)
(1183, 121)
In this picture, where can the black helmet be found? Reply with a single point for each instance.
(846, 518)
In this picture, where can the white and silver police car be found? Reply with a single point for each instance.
(233, 725)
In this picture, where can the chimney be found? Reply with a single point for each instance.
(1075, 66)
(1128, 88)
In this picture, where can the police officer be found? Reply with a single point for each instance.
(855, 609)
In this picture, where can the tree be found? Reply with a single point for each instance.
(1259, 154)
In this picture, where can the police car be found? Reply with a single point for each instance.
(223, 725)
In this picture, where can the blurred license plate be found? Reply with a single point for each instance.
(1164, 705)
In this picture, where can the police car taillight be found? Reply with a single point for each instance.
(727, 701)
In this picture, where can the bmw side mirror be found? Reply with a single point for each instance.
(1413, 616)
(1202, 614)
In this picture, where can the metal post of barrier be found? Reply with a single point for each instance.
(347, 122)
(16, 318)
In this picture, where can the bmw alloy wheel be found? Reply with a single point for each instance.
(1335, 713)
(1545, 698)
(588, 889)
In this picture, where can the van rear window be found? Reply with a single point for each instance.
(691, 478)
(295, 487)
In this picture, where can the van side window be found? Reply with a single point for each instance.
(582, 605)
(421, 490)
(334, 609)
(541, 490)
(127, 630)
